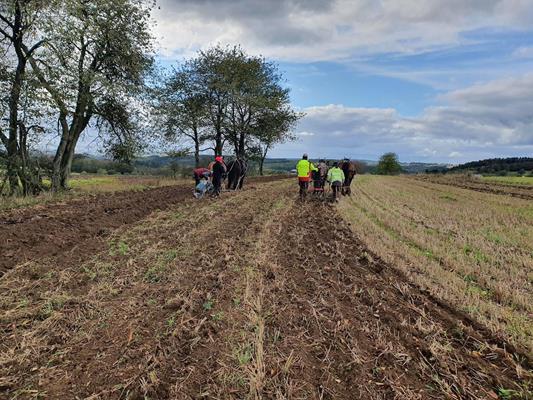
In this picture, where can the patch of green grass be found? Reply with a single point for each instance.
(476, 254)
(151, 302)
(475, 289)
(526, 212)
(470, 278)
(219, 316)
(508, 394)
(279, 204)
(208, 304)
(171, 322)
(170, 255)
(177, 215)
(90, 273)
(119, 247)
(493, 237)
(155, 273)
(467, 249)
(49, 275)
(55, 303)
(23, 303)
(448, 197)
(93, 181)
(244, 355)
(123, 248)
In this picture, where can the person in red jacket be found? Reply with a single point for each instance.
(199, 173)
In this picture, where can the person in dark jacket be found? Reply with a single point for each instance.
(219, 170)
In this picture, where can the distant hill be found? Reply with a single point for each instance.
(157, 164)
(519, 165)
(419, 167)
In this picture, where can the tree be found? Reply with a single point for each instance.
(174, 165)
(243, 97)
(227, 98)
(17, 28)
(360, 167)
(389, 164)
(92, 67)
(274, 126)
(258, 112)
(211, 73)
(182, 108)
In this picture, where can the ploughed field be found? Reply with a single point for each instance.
(153, 294)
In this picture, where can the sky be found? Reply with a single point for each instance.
(432, 80)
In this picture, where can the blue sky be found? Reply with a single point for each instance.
(436, 81)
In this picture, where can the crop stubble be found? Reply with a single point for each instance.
(250, 296)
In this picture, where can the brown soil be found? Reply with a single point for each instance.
(465, 182)
(252, 295)
(360, 330)
(49, 230)
(74, 226)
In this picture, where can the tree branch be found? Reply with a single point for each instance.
(7, 35)
(4, 139)
(8, 22)
(55, 95)
(35, 47)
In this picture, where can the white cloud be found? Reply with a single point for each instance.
(330, 29)
(490, 120)
(523, 52)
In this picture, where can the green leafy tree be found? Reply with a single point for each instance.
(273, 126)
(242, 96)
(389, 164)
(182, 109)
(19, 39)
(211, 70)
(92, 67)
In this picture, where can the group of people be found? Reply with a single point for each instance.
(209, 180)
(321, 174)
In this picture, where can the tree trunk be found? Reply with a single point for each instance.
(196, 146)
(263, 158)
(196, 154)
(218, 142)
(261, 162)
(66, 162)
(69, 138)
(14, 97)
(241, 152)
(65, 153)
(60, 152)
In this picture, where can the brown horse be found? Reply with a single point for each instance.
(350, 170)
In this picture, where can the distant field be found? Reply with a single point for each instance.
(84, 184)
(505, 186)
(118, 183)
(511, 180)
(471, 248)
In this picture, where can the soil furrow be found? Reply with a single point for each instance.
(253, 295)
(407, 346)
